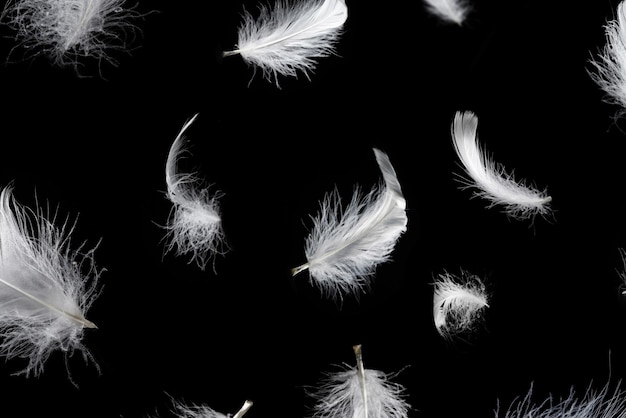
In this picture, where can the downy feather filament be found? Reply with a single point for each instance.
(45, 288)
(609, 68)
(359, 393)
(458, 303)
(195, 225)
(66, 30)
(291, 36)
(491, 179)
(345, 246)
(454, 11)
(202, 411)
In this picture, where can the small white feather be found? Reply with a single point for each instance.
(458, 302)
(291, 36)
(489, 178)
(359, 393)
(66, 30)
(195, 223)
(45, 288)
(454, 11)
(593, 404)
(202, 411)
(609, 68)
(345, 247)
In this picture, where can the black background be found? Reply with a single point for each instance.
(95, 146)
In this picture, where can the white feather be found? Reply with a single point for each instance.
(290, 37)
(344, 247)
(489, 178)
(593, 404)
(45, 288)
(609, 68)
(195, 223)
(202, 411)
(66, 30)
(359, 393)
(454, 11)
(458, 302)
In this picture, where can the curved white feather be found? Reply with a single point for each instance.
(609, 68)
(491, 180)
(344, 247)
(290, 37)
(195, 224)
(457, 303)
(44, 291)
(454, 11)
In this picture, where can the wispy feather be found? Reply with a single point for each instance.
(458, 303)
(359, 392)
(489, 178)
(454, 11)
(195, 223)
(609, 67)
(345, 247)
(202, 411)
(66, 30)
(46, 288)
(291, 36)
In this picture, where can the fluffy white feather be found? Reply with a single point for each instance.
(359, 393)
(609, 68)
(195, 223)
(291, 36)
(66, 30)
(45, 288)
(458, 302)
(344, 247)
(202, 411)
(593, 404)
(454, 11)
(489, 178)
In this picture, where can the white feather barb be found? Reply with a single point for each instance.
(458, 302)
(290, 37)
(45, 288)
(593, 404)
(454, 11)
(489, 178)
(195, 223)
(345, 247)
(66, 30)
(609, 68)
(202, 411)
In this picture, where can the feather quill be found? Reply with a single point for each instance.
(345, 247)
(66, 30)
(458, 302)
(44, 290)
(593, 404)
(290, 37)
(202, 411)
(489, 178)
(454, 11)
(195, 225)
(359, 393)
(609, 68)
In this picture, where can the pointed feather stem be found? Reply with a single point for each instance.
(246, 406)
(84, 322)
(359, 362)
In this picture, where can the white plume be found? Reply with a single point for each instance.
(66, 30)
(344, 248)
(491, 180)
(202, 411)
(291, 36)
(609, 68)
(45, 288)
(454, 11)
(458, 302)
(593, 404)
(359, 393)
(195, 224)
